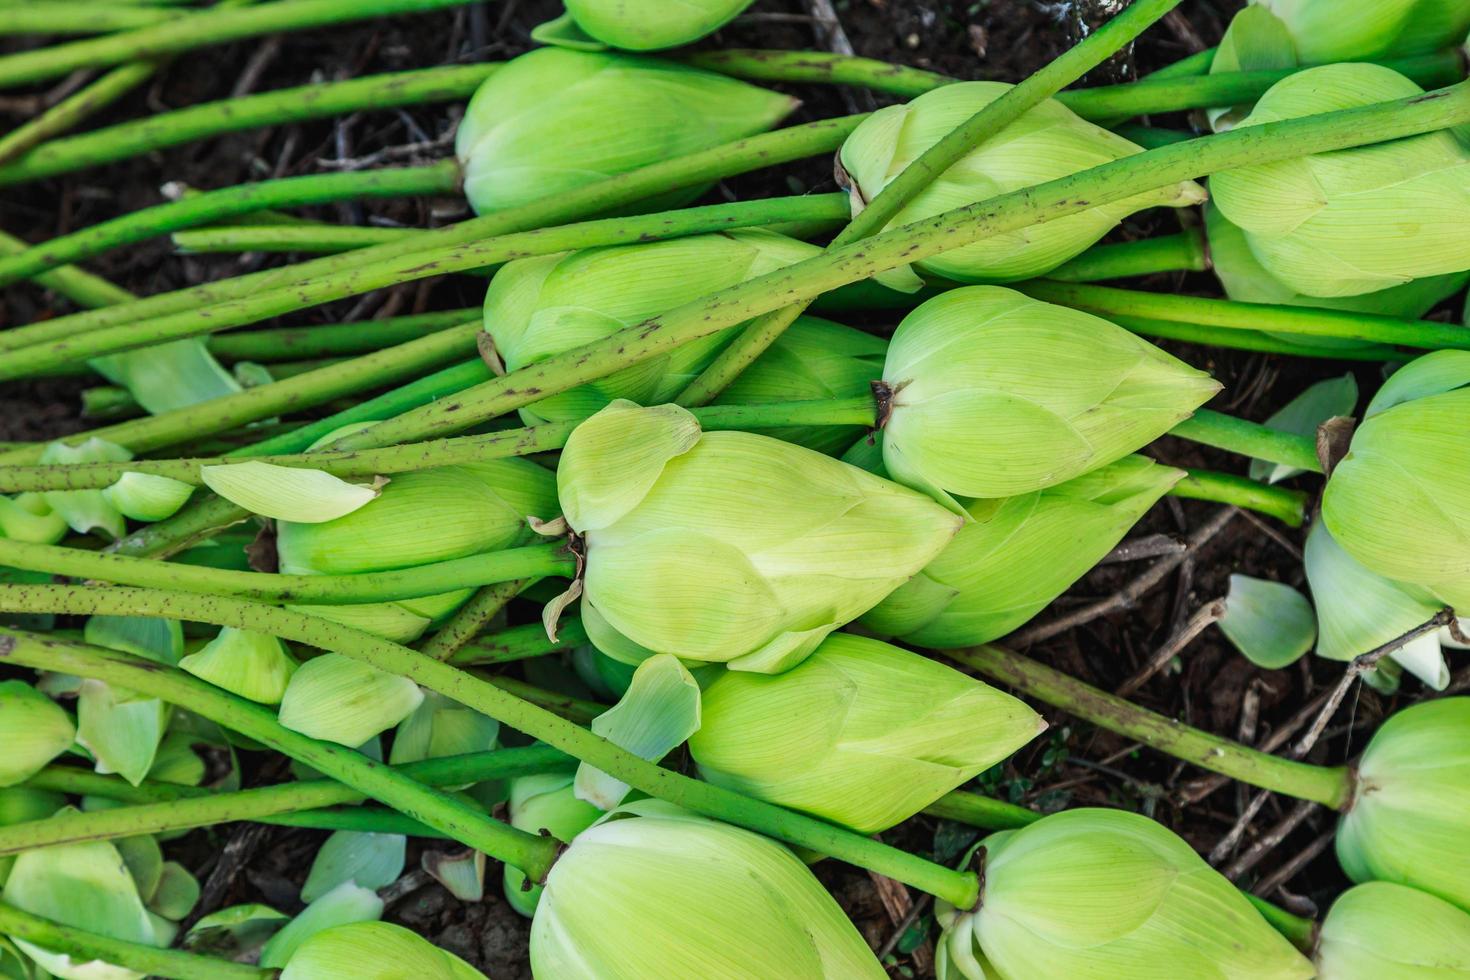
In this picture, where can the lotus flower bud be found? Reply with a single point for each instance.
(1316, 32)
(1409, 803)
(643, 25)
(421, 517)
(374, 951)
(539, 307)
(1353, 221)
(1017, 554)
(1398, 501)
(1383, 931)
(730, 547)
(554, 120)
(1099, 894)
(995, 394)
(1046, 143)
(860, 733)
(669, 894)
(543, 802)
(34, 730)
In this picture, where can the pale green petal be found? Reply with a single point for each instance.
(373, 951)
(160, 640)
(613, 459)
(543, 802)
(145, 497)
(253, 665)
(1270, 623)
(287, 493)
(177, 892)
(367, 860)
(659, 711)
(345, 904)
(439, 727)
(121, 733)
(86, 510)
(34, 730)
(27, 517)
(346, 701)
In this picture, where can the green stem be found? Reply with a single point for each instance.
(470, 619)
(923, 171)
(66, 114)
(161, 807)
(318, 101)
(978, 811)
(1287, 506)
(198, 209)
(41, 17)
(520, 643)
(1153, 137)
(434, 578)
(406, 458)
(1301, 932)
(423, 264)
(198, 30)
(460, 820)
(573, 709)
(82, 288)
(1193, 64)
(1182, 252)
(1306, 321)
(316, 239)
(819, 67)
(914, 242)
(333, 340)
(86, 947)
(1255, 340)
(1329, 786)
(959, 888)
(1249, 439)
(292, 394)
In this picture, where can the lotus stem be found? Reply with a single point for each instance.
(43, 17)
(460, 820)
(198, 30)
(819, 67)
(471, 618)
(85, 947)
(1268, 343)
(333, 340)
(198, 209)
(979, 811)
(1301, 932)
(1330, 786)
(959, 888)
(1071, 65)
(1181, 252)
(1249, 439)
(1107, 301)
(313, 239)
(283, 106)
(163, 807)
(520, 643)
(1287, 506)
(82, 288)
(72, 110)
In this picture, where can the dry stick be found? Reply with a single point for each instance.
(1268, 841)
(1290, 869)
(1137, 549)
(1125, 597)
(1209, 613)
(923, 171)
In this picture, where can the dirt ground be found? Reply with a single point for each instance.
(1074, 764)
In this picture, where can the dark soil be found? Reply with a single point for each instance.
(1074, 764)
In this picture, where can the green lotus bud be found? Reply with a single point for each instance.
(995, 394)
(669, 894)
(543, 802)
(1046, 143)
(27, 517)
(1316, 32)
(421, 517)
(374, 951)
(1411, 800)
(34, 730)
(1353, 221)
(860, 733)
(1398, 501)
(642, 25)
(812, 359)
(1017, 554)
(1383, 931)
(730, 547)
(253, 665)
(1099, 894)
(539, 307)
(553, 120)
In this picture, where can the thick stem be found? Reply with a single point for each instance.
(74, 109)
(406, 458)
(161, 807)
(313, 239)
(304, 391)
(923, 171)
(198, 30)
(819, 67)
(460, 820)
(959, 888)
(1183, 252)
(1268, 343)
(200, 209)
(82, 288)
(1329, 786)
(470, 619)
(1287, 506)
(520, 643)
(48, 353)
(86, 947)
(281, 107)
(435, 578)
(1108, 301)
(43, 17)
(333, 340)
(979, 811)
(1301, 932)
(1249, 439)
(914, 242)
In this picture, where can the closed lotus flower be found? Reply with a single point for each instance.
(650, 25)
(1352, 221)
(1101, 894)
(860, 733)
(374, 951)
(1019, 553)
(553, 120)
(994, 394)
(1383, 931)
(730, 547)
(1046, 143)
(669, 894)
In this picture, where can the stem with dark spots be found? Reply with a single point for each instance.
(520, 643)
